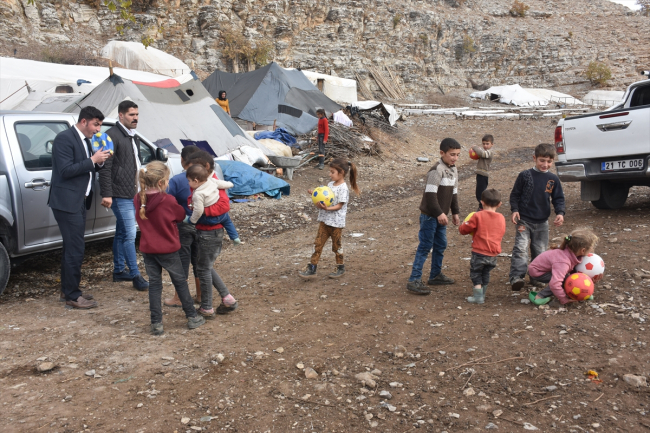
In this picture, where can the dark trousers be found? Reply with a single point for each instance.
(481, 185)
(189, 254)
(210, 243)
(72, 226)
(155, 263)
(321, 149)
(480, 267)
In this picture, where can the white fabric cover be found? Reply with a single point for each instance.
(512, 95)
(554, 97)
(278, 147)
(338, 89)
(134, 55)
(340, 117)
(255, 156)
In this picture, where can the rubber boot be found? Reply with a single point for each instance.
(478, 297)
(173, 302)
(321, 163)
(197, 283)
(309, 272)
(340, 270)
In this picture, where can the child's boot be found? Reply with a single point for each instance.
(173, 302)
(197, 283)
(340, 270)
(157, 329)
(478, 298)
(195, 322)
(309, 272)
(237, 241)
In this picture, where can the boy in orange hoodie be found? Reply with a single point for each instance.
(487, 228)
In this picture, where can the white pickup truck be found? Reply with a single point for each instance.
(607, 152)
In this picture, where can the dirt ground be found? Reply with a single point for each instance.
(438, 363)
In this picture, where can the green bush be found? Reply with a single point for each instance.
(598, 73)
(519, 9)
(396, 20)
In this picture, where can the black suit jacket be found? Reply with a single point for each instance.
(70, 168)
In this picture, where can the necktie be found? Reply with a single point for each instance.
(89, 146)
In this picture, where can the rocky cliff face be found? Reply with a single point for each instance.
(430, 44)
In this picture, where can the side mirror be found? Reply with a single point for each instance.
(48, 146)
(161, 155)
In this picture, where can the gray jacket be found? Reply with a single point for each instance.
(119, 177)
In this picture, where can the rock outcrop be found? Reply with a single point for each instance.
(430, 44)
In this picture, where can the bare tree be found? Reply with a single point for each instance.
(645, 7)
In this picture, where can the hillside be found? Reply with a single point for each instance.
(430, 44)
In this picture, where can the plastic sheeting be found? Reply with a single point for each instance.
(338, 89)
(513, 95)
(249, 180)
(45, 77)
(134, 55)
(279, 134)
(390, 112)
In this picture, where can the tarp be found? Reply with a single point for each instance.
(554, 97)
(271, 94)
(338, 89)
(279, 134)
(340, 117)
(173, 113)
(513, 95)
(249, 180)
(43, 78)
(134, 55)
(604, 98)
(389, 111)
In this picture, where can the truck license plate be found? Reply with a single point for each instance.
(626, 164)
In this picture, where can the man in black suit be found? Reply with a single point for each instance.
(73, 170)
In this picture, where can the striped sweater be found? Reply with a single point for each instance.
(441, 191)
(485, 158)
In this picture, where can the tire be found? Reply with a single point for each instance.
(612, 195)
(5, 268)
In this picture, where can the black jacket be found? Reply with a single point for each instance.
(119, 176)
(70, 172)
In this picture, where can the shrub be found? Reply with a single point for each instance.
(644, 7)
(396, 20)
(466, 47)
(67, 55)
(519, 9)
(598, 73)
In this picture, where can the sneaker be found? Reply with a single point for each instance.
(195, 322)
(157, 329)
(140, 284)
(122, 276)
(417, 287)
(206, 314)
(440, 279)
(338, 273)
(517, 284)
(320, 166)
(225, 309)
(309, 272)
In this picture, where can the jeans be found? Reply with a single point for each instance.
(154, 264)
(546, 291)
(210, 242)
(124, 240)
(189, 253)
(432, 236)
(480, 267)
(481, 185)
(537, 236)
(224, 220)
(321, 149)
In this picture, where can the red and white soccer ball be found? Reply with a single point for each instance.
(473, 154)
(592, 265)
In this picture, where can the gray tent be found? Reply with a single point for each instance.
(272, 94)
(174, 113)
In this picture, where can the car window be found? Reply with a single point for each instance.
(146, 153)
(35, 140)
(641, 96)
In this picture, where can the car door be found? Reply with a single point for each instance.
(31, 145)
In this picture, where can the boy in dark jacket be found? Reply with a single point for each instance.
(530, 202)
(440, 194)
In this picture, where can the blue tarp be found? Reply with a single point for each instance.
(279, 134)
(249, 180)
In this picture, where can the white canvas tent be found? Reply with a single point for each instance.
(134, 55)
(19, 78)
(341, 90)
(525, 97)
(173, 113)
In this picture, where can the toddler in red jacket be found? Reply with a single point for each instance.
(488, 227)
(157, 218)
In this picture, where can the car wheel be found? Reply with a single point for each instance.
(5, 268)
(612, 195)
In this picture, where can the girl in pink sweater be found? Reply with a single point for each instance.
(554, 265)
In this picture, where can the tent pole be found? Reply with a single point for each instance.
(110, 68)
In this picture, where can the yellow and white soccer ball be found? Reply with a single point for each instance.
(323, 194)
(467, 219)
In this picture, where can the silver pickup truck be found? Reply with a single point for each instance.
(27, 225)
(607, 152)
